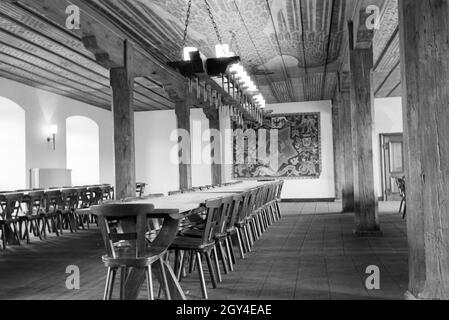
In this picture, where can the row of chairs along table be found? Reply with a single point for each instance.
(230, 217)
(39, 212)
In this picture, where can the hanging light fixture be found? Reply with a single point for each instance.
(222, 79)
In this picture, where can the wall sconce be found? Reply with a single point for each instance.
(53, 132)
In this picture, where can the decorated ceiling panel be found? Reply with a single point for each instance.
(293, 48)
(275, 37)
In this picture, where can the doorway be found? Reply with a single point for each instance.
(392, 159)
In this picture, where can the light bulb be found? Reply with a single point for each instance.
(53, 129)
(187, 51)
(222, 51)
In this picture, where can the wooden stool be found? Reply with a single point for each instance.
(123, 228)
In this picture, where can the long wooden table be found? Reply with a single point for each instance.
(172, 209)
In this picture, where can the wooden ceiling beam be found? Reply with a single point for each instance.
(106, 42)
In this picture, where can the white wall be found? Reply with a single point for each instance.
(83, 150)
(324, 186)
(387, 119)
(201, 170)
(12, 142)
(154, 147)
(43, 109)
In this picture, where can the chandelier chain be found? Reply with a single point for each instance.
(184, 39)
(235, 42)
(211, 16)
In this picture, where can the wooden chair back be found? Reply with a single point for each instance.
(226, 212)
(52, 201)
(140, 189)
(95, 195)
(35, 202)
(279, 189)
(83, 198)
(123, 224)
(214, 211)
(246, 204)
(11, 205)
(237, 205)
(69, 199)
(107, 192)
(400, 182)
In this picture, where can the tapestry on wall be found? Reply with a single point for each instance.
(297, 154)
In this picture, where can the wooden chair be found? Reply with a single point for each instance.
(51, 213)
(232, 231)
(82, 218)
(140, 189)
(127, 247)
(203, 245)
(69, 203)
(244, 222)
(279, 198)
(400, 182)
(107, 192)
(34, 203)
(221, 237)
(10, 204)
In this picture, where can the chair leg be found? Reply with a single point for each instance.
(111, 286)
(247, 238)
(278, 210)
(181, 266)
(43, 231)
(217, 265)
(16, 233)
(123, 275)
(230, 260)
(27, 235)
(211, 270)
(36, 228)
(240, 243)
(3, 237)
(150, 283)
(192, 261)
(224, 258)
(107, 285)
(201, 275)
(405, 211)
(164, 280)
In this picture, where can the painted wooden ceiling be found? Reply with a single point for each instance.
(293, 49)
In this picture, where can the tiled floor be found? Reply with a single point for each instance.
(310, 254)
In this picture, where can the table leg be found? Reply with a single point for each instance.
(137, 277)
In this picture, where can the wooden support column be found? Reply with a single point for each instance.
(346, 134)
(122, 83)
(338, 147)
(182, 110)
(216, 168)
(424, 27)
(362, 104)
